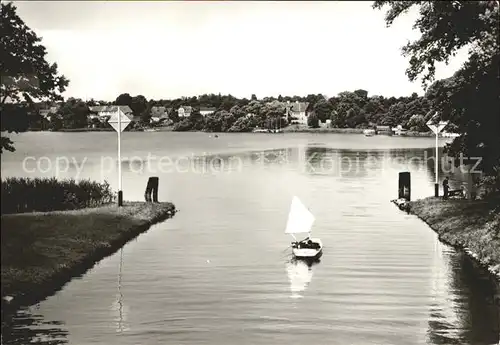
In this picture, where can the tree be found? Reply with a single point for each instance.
(313, 121)
(74, 113)
(339, 115)
(354, 117)
(182, 126)
(213, 122)
(243, 124)
(227, 120)
(471, 97)
(417, 123)
(95, 123)
(228, 103)
(274, 109)
(26, 74)
(323, 109)
(55, 122)
(14, 119)
(173, 115)
(196, 119)
(124, 99)
(138, 104)
(146, 115)
(237, 111)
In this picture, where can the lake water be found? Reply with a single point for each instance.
(218, 272)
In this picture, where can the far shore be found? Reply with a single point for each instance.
(471, 226)
(42, 251)
(288, 129)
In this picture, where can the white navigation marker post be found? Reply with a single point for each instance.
(436, 127)
(119, 121)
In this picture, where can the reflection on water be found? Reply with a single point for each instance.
(208, 163)
(442, 312)
(119, 308)
(300, 274)
(29, 327)
(214, 273)
(466, 313)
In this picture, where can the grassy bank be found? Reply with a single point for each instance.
(469, 225)
(71, 130)
(106, 129)
(42, 251)
(304, 129)
(288, 129)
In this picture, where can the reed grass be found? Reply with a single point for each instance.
(49, 194)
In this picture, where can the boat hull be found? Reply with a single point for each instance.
(309, 253)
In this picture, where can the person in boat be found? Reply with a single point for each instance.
(305, 243)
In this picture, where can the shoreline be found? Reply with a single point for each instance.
(84, 237)
(286, 130)
(467, 226)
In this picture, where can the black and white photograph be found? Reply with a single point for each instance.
(250, 172)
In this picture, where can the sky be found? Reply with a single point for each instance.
(168, 49)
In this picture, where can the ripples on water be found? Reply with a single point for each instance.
(217, 274)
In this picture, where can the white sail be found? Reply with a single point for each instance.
(300, 219)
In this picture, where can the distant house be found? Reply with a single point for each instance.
(159, 113)
(103, 112)
(298, 111)
(207, 110)
(185, 111)
(50, 110)
(386, 130)
(399, 130)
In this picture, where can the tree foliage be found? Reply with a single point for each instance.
(471, 98)
(313, 121)
(25, 73)
(74, 113)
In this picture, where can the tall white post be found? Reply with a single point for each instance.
(436, 184)
(436, 128)
(120, 193)
(118, 125)
(437, 158)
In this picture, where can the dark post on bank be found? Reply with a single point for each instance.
(404, 190)
(152, 189)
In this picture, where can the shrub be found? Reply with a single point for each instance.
(49, 194)
(313, 121)
(489, 187)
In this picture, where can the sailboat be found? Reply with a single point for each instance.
(300, 221)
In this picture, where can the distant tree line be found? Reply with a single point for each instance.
(346, 110)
